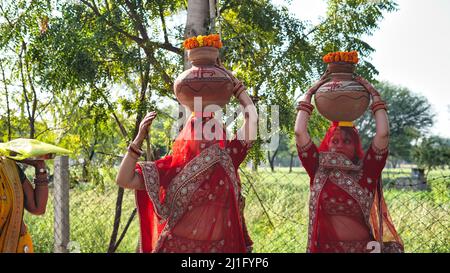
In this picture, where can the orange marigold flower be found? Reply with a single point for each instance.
(212, 40)
(336, 58)
(341, 56)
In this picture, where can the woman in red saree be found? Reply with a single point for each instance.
(347, 212)
(190, 201)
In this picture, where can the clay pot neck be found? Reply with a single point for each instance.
(341, 71)
(203, 55)
(341, 67)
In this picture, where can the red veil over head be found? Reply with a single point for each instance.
(350, 131)
(381, 224)
(211, 214)
(200, 131)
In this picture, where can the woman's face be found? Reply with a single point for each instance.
(342, 143)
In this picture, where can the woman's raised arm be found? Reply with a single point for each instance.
(127, 177)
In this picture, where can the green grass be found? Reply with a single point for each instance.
(421, 217)
(276, 224)
(91, 221)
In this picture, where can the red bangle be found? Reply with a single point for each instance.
(306, 104)
(378, 103)
(377, 106)
(375, 110)
(239, 93)
(305, 109)
(238, 89)
(42, 176)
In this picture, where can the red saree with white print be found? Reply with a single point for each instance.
(192, 200)
(347, 212)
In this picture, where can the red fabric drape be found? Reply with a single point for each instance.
(196, 205)
(353, 133)
(346, 201)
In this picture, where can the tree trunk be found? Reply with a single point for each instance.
(394, 163)
(197, 18)
(24, 90)
(145, 79)
(197, 21)
(291, 163)
(272, 159)
(212, 15)
(8, 110)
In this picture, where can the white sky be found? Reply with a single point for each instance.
(412, 49)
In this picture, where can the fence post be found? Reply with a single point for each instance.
(61, 204)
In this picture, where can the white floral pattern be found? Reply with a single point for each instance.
(331, 168)
(182, 188)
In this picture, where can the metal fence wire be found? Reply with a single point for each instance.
(276, 213)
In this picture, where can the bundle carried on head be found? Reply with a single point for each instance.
(342, 98)
(207, 78)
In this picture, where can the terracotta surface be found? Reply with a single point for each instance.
(204, 79)
(342, 98)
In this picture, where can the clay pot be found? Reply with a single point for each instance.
(342, 98)
(204, 79)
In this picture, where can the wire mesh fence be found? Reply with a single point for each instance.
(276, 212)
(277, 209)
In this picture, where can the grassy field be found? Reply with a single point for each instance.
(279, 222)
(276, 214)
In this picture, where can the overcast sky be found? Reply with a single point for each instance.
(412, 49)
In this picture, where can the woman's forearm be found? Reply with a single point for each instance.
(127, 177)
(36, 198)
(301, 125)
(126, 170)
(41, 198)
(381, 139)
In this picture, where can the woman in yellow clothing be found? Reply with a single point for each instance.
(17, 194)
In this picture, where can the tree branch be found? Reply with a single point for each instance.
(137, 20)
(144, 42)
(113, 26)
(163, 23)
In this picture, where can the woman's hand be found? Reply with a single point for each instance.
(369, 87)
(144, 127)
(127, 177)
(37, 164)
(325, 75)
(313, 89)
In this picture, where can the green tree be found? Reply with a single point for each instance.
(22, 22)
(432, 153)
(409, 118)
(108, 62)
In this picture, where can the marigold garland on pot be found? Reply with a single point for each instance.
(340, 56)
(212, 40)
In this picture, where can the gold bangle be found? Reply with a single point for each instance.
(133, 148)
